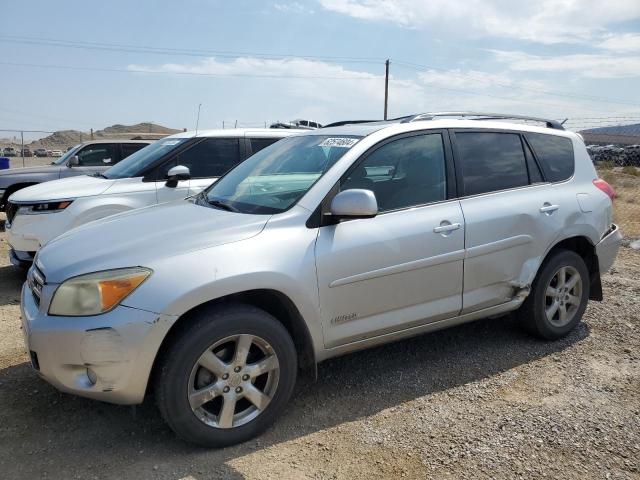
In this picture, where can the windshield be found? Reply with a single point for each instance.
(137, 162)
(63, 158)
(274, 179)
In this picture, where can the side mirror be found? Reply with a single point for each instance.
(354, 203)
(176, 174)
(73, 161)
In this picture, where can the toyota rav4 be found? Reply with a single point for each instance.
(321, 244)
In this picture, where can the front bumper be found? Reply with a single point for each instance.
(27, 233)
(607, 248)
(105, 357)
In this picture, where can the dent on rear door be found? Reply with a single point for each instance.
(506, 237)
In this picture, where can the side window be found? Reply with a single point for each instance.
(555, 155)
(212, 157)
(258, 144)
(129, 148)
(403, 173)
(491, 161)
(98, 155)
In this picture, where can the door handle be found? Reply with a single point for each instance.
(445, 228)
(548, 208)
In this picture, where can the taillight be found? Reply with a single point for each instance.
(605, 187)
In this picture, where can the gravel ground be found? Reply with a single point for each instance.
(481, 400)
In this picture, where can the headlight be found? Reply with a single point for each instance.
(96, 293)
(45, 207)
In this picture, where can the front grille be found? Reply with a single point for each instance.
(12, 209)
(36, 281)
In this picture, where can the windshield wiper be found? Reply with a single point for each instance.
(221, 205)
(99, 175)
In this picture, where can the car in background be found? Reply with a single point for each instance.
(40, 152)
(25, 152)
(169, 169)
(86, 158)
(56, 153)
(299, 124)
(9, 152)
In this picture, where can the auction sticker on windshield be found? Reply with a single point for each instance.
(342, 142)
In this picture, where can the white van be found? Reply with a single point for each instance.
(169, 169)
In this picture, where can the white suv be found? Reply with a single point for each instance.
(321, 244)
(169, 169)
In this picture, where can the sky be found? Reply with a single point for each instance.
(80, 65)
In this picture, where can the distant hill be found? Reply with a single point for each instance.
(118, 129)
(633, 129)
(66, 138)
(617, 135)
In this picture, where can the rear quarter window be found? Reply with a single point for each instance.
(555, 155)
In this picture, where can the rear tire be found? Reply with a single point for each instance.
(226, 376)
(559, 296)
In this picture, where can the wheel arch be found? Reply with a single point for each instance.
(273, 302)
(583, 246)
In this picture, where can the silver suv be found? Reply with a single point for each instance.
(323, 243)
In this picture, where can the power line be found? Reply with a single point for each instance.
(199, 74)
(235, 54)
(122, 47)
(247, 75)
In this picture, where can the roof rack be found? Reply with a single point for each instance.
(482, 116)
(354, 122)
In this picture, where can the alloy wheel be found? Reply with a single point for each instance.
(563, 296)
(233, 381)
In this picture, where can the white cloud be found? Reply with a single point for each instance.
(328, 91)
(293, 7)
(457, 78)
(626, 42)
(543, 21)
(582, 65)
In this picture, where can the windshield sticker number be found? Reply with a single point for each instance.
(341, 142)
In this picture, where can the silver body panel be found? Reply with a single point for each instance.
(355, 284)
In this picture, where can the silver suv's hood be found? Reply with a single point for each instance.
(25, 170)
(139, 237)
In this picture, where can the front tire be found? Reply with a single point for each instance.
(226, 376)
(559, 296)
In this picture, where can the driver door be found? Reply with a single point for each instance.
(92, 159)
(401, 268)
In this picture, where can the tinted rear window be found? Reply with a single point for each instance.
(555, 155)
(491, 161)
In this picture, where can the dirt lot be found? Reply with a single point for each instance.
(482, 400)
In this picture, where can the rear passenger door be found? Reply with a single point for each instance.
(511, 214)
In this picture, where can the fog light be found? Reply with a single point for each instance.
(91, 375)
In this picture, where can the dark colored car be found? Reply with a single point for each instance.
(86, 158)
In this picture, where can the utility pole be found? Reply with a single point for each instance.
(386, 87)
(92, 134)
(22, 146)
